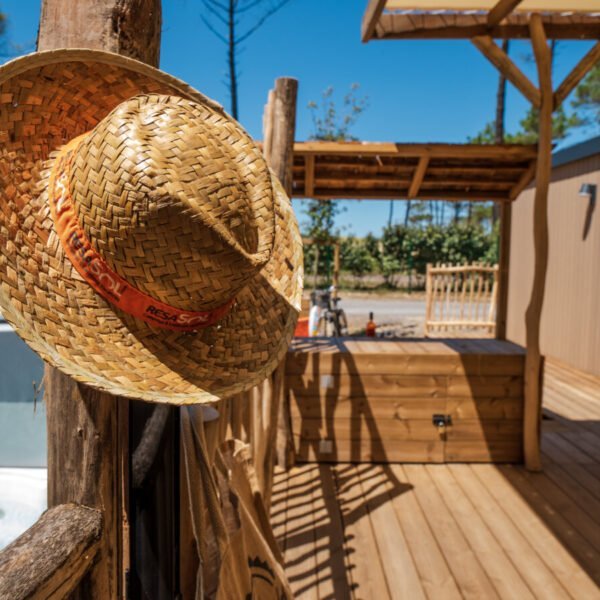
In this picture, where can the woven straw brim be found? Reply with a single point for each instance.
(46, 99)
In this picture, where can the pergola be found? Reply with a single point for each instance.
(481, 21)
(372, 170)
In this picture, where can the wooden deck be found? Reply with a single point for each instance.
(411, 531)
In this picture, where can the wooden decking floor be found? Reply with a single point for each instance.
(480, 531)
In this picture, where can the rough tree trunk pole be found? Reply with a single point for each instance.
(533, 315)
(280, 130)
(87, 430)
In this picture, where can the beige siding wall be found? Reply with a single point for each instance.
(571, 314)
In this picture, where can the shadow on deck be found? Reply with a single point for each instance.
(376, 531)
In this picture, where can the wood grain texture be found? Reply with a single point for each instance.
(83, 459)
(87, 430)
(456, 530)
(338, 399)
(128, 27)
(579, 71)
(533, 315)
(486, 45)
(501, 10)
(465, 25)
(50, 558)
(280, 123)
(370, 18)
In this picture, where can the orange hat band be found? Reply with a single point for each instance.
(96, 272)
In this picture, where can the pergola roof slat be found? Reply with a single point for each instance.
(489, 5)
(459, 19)
(382, 170)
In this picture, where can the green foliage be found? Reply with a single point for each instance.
(321, 219)
(357, 258)
(332, 123)
(411, 248)
(587, 96)
(486, 136)
(530, 126)
(528, 132)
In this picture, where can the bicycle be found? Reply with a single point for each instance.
(332, 320)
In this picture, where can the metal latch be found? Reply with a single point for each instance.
(441, 421)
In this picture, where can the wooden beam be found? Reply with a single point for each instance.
(309, 175)
(50, 558)
(459, 26)
(391, 149)
(578, 72)
(486, 45)
(280, 159)
(370, 18)
(387, 194)
(533, 359)
(88, 444)
(523, 182)
(280, 156)
(501, 10)
(506, 172)
(415, 184)
(484, 5)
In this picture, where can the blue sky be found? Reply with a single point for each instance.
(418, 91)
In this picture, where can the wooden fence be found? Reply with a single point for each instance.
(461, 300)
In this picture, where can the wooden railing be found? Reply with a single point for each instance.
(52, 556)
(461, 300)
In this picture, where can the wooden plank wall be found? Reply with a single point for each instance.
(570, 316)
(366, 401)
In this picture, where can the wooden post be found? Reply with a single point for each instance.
(504, 269)
(88, 452)
(283, 129)
(279, 156)
(533, 361)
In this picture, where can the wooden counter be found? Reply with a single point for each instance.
(364, 400)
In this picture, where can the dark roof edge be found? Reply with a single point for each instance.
(576, 152)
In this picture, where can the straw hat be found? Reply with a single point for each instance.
(147, 250)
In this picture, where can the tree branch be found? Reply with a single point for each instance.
(215, 31)
(215, 13)
(223, 7)
(261, 21)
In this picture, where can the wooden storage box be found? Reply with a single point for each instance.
(364, 400)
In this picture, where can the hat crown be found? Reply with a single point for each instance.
(176, 198)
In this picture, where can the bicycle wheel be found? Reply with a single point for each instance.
(342, 323)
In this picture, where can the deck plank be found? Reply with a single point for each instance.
(479, 534)
(465, 567)
(526, 518)
(367, 572)
(450, 531)
(300, 563)
(332, 563)
(433, 569)
(540, 580)
(394, 553)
